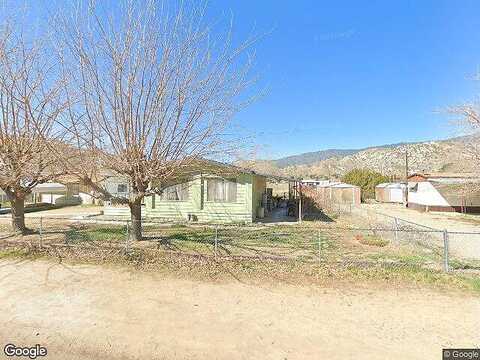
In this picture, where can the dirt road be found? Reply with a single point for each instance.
(93, 312)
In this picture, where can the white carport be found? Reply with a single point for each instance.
(49, 192)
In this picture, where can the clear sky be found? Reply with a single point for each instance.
(349, 74)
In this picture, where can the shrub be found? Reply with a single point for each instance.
(366, 180)
(371, 240)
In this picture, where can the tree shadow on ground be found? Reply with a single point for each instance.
(318, 216)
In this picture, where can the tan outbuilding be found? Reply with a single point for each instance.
(336, 192)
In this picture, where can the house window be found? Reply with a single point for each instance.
(177, 192)
(122, 188)
(221, 190)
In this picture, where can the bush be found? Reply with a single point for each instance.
(371, 240)
(366, 180)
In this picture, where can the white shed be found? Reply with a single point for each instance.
(390, 192)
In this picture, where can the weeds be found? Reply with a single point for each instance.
(371, 240)
(285, 253)
(77, 235)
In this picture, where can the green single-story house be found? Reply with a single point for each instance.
(211, 198)
(236, 197)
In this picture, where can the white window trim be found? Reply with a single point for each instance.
(225, 201)
(162, 201)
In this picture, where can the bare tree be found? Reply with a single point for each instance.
(30, 105)
(468, 119)
(157, 92)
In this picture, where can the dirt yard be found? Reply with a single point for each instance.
(98, 312)
(437, 220)
(466, 246)
(66, 211)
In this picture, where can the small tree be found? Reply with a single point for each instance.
(156, 94)
(366, 179)
(30, 105)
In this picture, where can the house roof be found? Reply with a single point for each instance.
(337, 184)
(48, 187)
(212, 167)
(395, 185)
(460, 193)
(452, 175)
(446, 175)
(212, 164)
(342, 185)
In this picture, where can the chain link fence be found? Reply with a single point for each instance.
(401, 244)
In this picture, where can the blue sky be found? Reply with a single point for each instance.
(350, 74)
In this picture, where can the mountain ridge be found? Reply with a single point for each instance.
(446, 155)
(312, 157)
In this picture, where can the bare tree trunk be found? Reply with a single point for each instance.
(18, 214)
(136, 217)
(32, 101)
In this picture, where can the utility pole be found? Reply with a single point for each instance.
(300, 210)
(406, 177)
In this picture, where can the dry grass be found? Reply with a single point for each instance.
(313, 253)
(367, 271)
(371, 240)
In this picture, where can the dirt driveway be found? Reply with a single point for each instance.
(437, 220)
(93, 312)
(464, 236)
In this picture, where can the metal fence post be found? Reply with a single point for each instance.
(445, 251)
(40, 232)
(216, 242)
(127, 237)
(66, 238)
(319, 246)
(395, 220)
